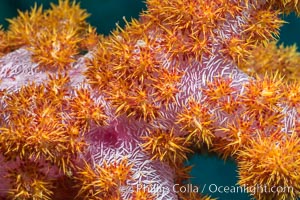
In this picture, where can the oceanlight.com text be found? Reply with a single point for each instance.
(214, 188)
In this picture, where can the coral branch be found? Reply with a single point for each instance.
(120, 121)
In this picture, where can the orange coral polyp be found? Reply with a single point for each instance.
(165, 146)
(3, 42)
(103, 182)
(272, 163)
(197, 120)
(53, 36)
(150, 92)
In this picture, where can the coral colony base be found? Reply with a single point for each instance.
(123, 117)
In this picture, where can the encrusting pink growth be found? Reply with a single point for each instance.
(201, 42)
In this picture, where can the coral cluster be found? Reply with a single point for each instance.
(85, 116)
